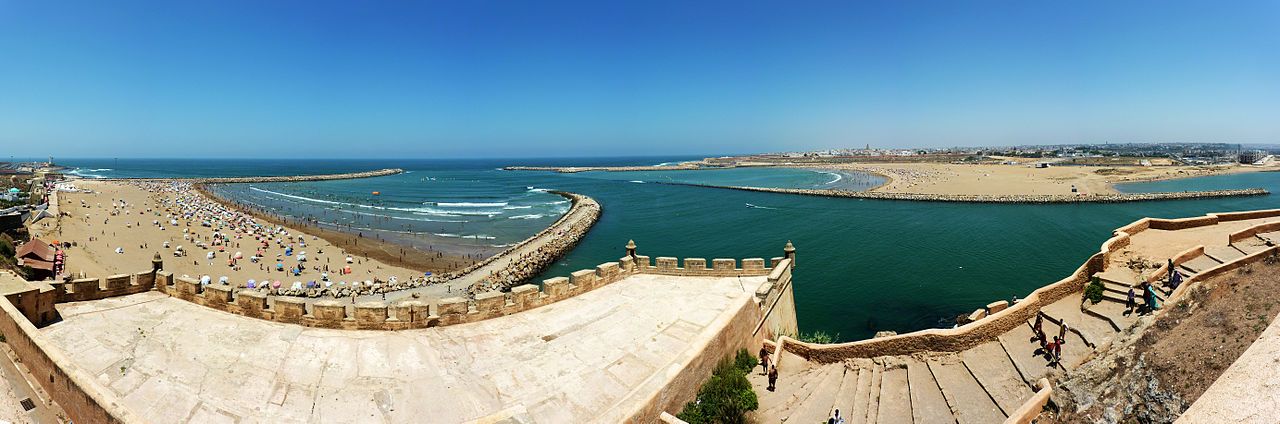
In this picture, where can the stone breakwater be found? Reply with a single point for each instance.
(275, 179)
(992, 198)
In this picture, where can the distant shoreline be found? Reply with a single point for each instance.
(268, 179)
(1009, 198)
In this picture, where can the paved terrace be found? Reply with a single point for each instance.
(594, 357)
(896, 380)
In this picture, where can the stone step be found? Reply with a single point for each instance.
(968, 401)
(895, 396)
(858, 412)
(1094, 330)
(1223, 254)
(1250, 247)
(817, 407)
(1200, 263)
(873, 394)
(1273, 237)
(846, 396)
(1122, 278)
(1113, 313)
(1021, 351)
(1074, 351)
(927, 404)
(789, 389)
(992, 368)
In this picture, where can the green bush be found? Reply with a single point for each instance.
(819, 337)
(727, 396)
(1094, 291)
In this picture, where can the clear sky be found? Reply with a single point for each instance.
(474, 78)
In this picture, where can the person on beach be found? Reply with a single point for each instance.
(773, 377)
(1130, 303)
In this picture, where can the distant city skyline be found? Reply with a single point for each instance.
(558, 79)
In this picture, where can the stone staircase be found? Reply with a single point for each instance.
(984, 384)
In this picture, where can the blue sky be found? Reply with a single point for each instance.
(588, 78)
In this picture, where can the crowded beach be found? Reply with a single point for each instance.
(110, 227)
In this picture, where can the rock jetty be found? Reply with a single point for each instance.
(1002, 198)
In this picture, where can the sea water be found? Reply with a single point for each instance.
(862, 265)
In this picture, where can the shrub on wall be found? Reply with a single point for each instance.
(727, 396)
(1094, 291)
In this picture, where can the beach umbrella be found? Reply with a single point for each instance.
(276, 284)
(297, 285)
(204, 280)
(223, 280)
(239, 255)
(252, 284)
(119, 250)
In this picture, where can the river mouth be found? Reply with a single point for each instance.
(862, 265)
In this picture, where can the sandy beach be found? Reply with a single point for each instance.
(1023, 179)
(102, 223)
(118, 227)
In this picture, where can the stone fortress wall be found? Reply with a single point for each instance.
(409, 314)
(83, 398)
(986, 198)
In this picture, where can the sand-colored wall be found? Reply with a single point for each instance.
(78, 393)
(408, 314)
(952, 339)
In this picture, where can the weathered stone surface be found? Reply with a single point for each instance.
(594, 361)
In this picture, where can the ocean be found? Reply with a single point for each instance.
(862, 265)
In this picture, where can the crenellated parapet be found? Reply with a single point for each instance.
(411, 314)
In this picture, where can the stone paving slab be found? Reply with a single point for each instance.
(1273, 236)
(1223, 254)
(996, 373)
(817, 407)
(1250, 247)
(591, 358)
(1200, 263)
(1115, 312)
(1095, 329)
(858, 413)
(1016, 343)
(846, 394)
(966, 397)
(873, 394)
(927, 404)
(1074, 351)
(895, 397)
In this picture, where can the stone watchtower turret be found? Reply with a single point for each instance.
(789, 252)
(156, 263)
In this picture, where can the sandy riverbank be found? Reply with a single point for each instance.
(1023, 179)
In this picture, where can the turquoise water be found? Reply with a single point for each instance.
(863, 265)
